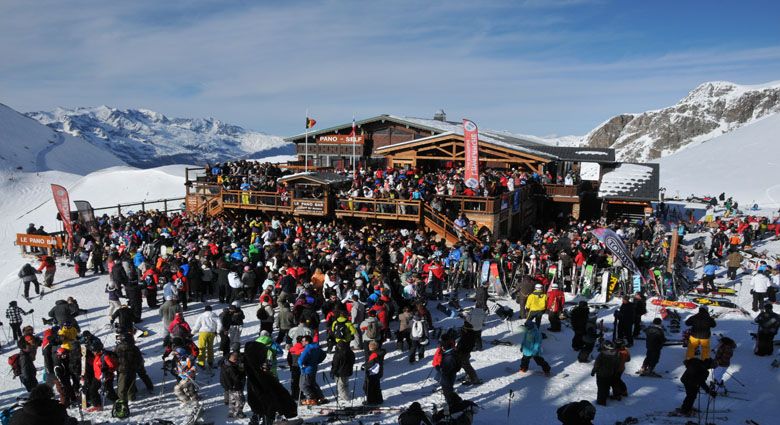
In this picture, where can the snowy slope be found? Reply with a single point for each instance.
(26, 145)
(144, 138)
(710, 110)
(743, 163)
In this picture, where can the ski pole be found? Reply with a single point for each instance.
(332, 390)
(734, 378)
(354, 384)
(509, 403)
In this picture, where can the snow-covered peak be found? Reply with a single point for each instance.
(710, 110)
(26, 145)
(146, 138)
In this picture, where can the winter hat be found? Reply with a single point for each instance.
(236, 304)
(538, 287)
(554, 286)
(264, 333)
(657, 321)
(768, 307)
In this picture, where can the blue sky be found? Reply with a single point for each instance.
(534, 67)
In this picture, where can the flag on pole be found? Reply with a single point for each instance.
(310, 122)
(353, 133)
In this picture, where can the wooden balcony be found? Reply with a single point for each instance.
(252, 200)
(562, 193)
(381, 209)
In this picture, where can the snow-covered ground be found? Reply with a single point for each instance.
(742, 163)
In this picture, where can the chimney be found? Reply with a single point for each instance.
(440, 115)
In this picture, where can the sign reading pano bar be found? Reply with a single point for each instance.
(341, 139)
(40, 241)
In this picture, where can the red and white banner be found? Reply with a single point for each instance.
(62, 201)
(471, 141)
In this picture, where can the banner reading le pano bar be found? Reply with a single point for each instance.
(40, 241)
(471, 142)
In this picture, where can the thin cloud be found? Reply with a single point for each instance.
(261, 65)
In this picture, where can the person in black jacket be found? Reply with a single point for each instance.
(624, 322)
(695, 377)
(129, 361)
(640, 309)
(655, 340)
(374, 368)
(119, 276)
(414, 415)
(63, 311)
(768, 324)
(134, 299)
(122, 320)
(579, 320)
(233, 380)
(466, 343)
(605, 369)
(42, 409)
(449, 366)
(28, 275)
(577, 413)
(265, 395)
(701, 324)
(341, 369)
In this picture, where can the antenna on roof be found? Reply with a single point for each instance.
(440, 115)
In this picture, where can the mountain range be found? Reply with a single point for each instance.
(144, 138)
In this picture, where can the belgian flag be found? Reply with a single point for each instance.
(310, 122)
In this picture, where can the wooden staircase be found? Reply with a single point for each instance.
(444, 227)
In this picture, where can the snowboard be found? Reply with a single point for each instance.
(603, 294)
(714, 302)
(669, 303)
(587, 279)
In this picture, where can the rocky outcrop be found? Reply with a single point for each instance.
(708, 111)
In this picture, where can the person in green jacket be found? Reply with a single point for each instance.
(273, 352)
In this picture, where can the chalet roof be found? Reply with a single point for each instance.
(320, 177)
(639, 182)
(529, 144)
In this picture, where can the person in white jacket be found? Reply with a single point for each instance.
(761, 284)
(207, 326)
(234, 281)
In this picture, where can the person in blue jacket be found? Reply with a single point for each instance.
(308, 361)
(532, 348)
(709, 274)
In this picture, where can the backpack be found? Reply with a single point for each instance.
(418, 329)
(341, 331)
(372, 330)
(16, 365)
(120, 410)
(7, 413)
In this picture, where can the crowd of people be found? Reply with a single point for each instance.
(329, 288)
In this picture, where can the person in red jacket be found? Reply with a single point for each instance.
(180, 328)
(555, 300)
(150, 280)
(383, 317)
(48, 267)
(102, 387)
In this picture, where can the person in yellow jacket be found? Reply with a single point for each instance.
(535, 305)
(68, 334)
(342, 329)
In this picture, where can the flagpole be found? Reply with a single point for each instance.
(354, 136)
(306, 144)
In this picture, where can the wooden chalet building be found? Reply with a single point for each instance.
(605, 186)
